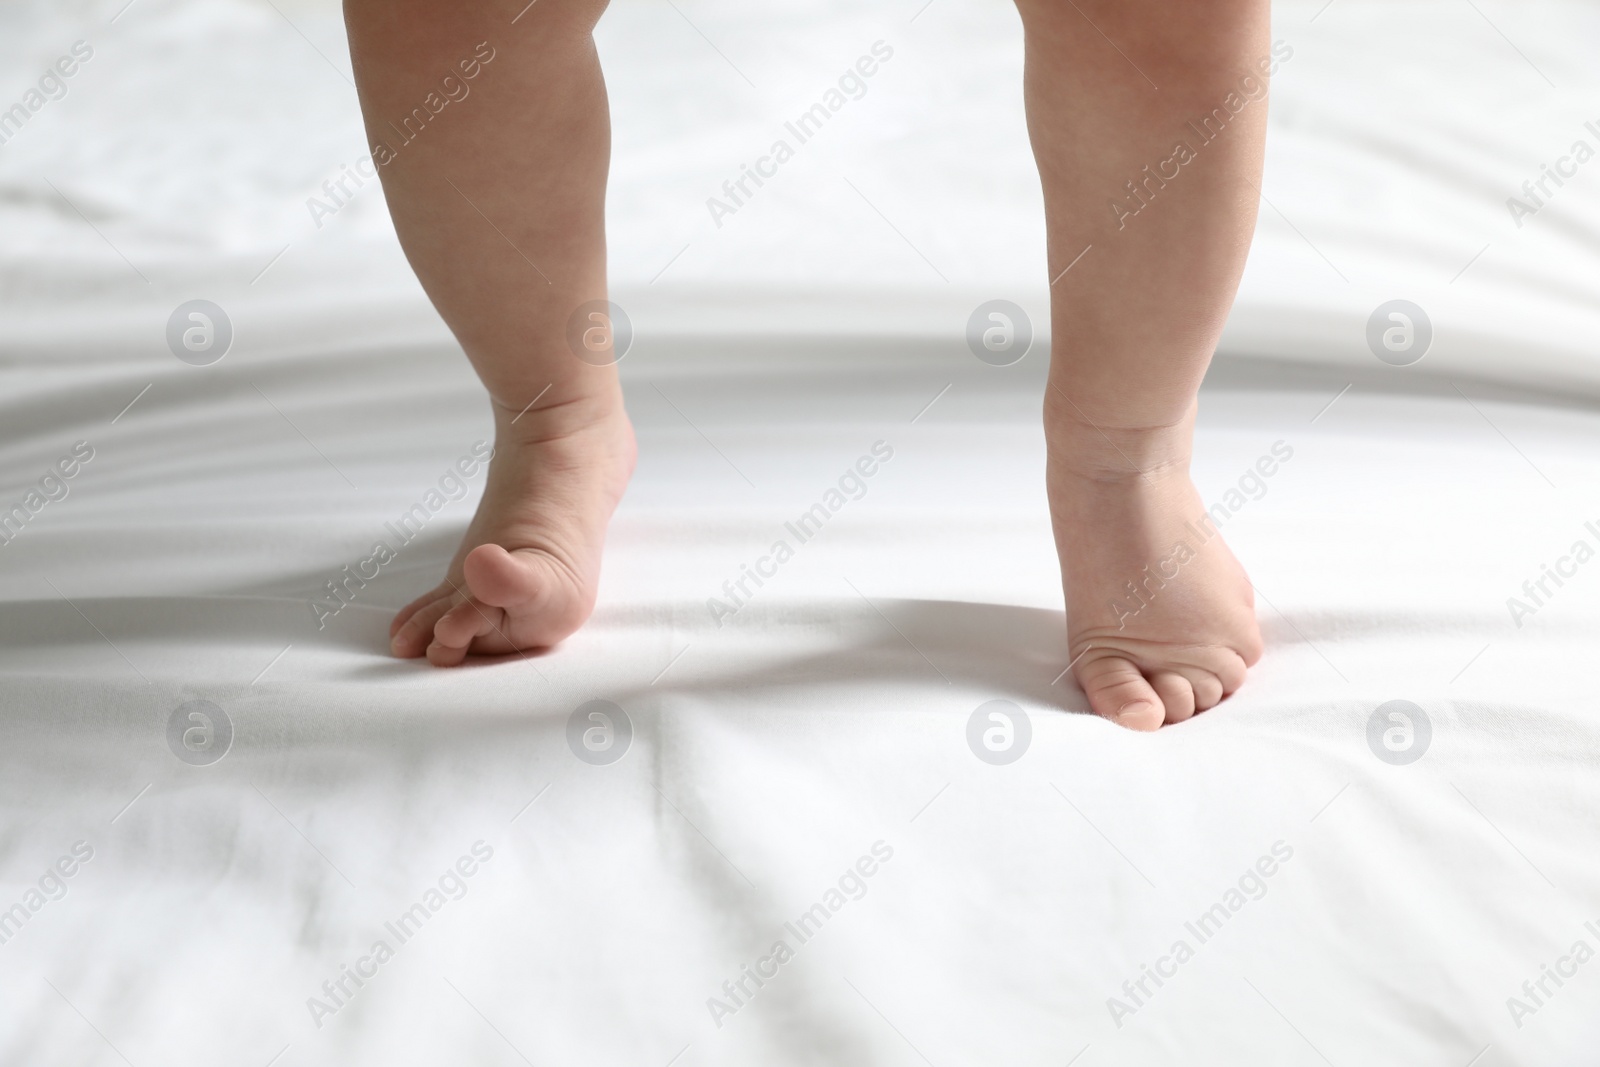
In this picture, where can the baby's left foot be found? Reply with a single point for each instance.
(1160, 616)
(528, 569)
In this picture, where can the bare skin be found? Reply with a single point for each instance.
(499, 202)
(1134, 324)
(499, 205)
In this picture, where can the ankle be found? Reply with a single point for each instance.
(1113, 452)
(558, 411)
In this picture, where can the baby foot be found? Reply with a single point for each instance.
(1160, 616)
(527, 570)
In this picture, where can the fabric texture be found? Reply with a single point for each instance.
(220, 799)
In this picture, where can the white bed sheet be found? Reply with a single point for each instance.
(774, 751)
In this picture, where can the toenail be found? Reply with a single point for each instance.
(1133, 706)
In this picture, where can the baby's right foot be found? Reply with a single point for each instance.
(527, 571)
(1160, 616)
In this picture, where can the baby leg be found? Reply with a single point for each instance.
(498, 196)
(1147, 119)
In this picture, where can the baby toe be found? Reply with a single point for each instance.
(1117, 691)
(1207, 689)
(405, 614)
(456, 630)
(1176, 694)
(410, 637)
(1232, 670)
